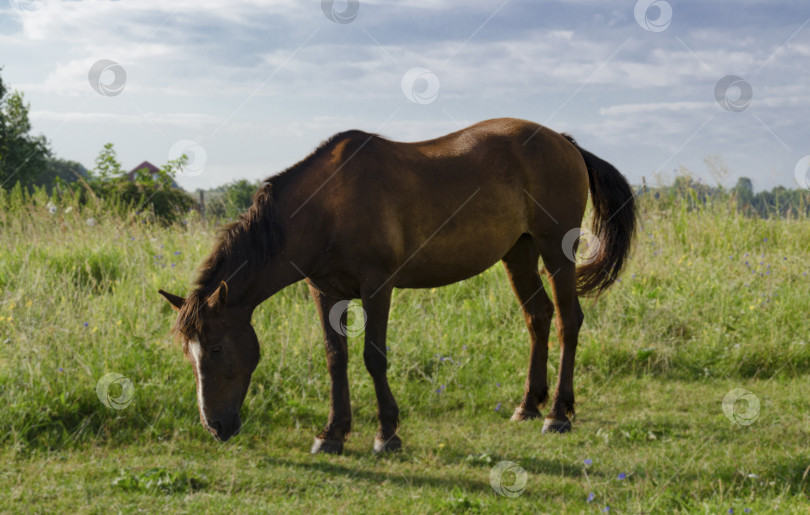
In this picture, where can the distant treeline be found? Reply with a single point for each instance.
(779, 202)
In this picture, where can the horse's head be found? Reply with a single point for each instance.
(223, 350)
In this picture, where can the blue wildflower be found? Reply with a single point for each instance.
(622, 476)
(590, 497)
(587, 461)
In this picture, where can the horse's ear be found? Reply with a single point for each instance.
(219, 297)
(174, 300)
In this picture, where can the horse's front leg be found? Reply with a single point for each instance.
(339, 424)
(376, 305)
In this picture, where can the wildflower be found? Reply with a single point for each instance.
(622, 476)
(86, 324)
(587, 461)
(606, 509)
(498, 407)
(497, 384)
(60, 369)
(590, 497)
(176, 252)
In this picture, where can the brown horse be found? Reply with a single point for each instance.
(363, 215)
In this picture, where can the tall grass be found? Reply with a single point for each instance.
(708, 294)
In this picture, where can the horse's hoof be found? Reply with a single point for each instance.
(327, 446)
(523, 414)
(552, 425)
(392, 444)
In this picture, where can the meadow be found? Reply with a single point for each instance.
(711, 301)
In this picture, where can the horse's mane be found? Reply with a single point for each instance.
(248, 243)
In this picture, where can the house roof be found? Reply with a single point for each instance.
(145, 165)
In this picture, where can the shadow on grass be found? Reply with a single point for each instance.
(396, 478)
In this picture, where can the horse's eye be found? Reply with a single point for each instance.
(216, 348)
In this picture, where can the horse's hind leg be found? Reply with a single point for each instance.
(563, 278)
(521, 268)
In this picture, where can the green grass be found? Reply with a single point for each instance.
(710, 301)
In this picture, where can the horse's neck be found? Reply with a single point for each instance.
(251, 286)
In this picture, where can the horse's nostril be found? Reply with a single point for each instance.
(216, 425)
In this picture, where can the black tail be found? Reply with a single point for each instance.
(614, 223)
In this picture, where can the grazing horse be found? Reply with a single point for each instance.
(363, 215)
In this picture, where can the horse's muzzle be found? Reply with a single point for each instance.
(224, 431)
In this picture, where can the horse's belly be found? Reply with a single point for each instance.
(445, 263)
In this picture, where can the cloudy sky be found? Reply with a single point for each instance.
(248, 88)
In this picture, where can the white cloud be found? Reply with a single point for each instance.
(222, 69)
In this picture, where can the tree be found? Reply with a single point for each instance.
(147, 194)
(23, 157)
(236, 197)
(107, 165)
(61, 171)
